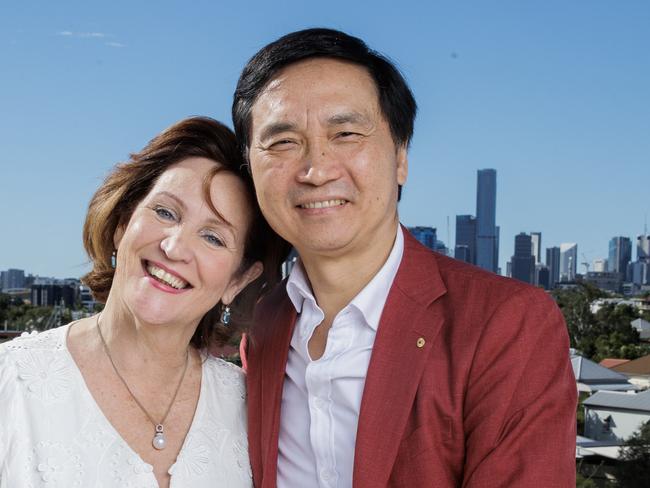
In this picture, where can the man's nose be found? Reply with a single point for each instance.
(320, 165)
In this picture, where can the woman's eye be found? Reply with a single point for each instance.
(213, 240)
(164, 213)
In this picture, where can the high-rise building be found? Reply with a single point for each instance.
(426, 235)
(465, 248)
(568, 261)
(620, 254)
(553, 265)
(523, 261)
(599, 265)
(542, 276)
(536, 240)
(12, 279)
(643, 248)
(487, 241)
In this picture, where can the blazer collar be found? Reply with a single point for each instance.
(407, 331)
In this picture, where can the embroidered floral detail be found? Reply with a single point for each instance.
(240, 450)
(230, 376)
(193, 460)
(50, 339)
(54, 465)
(45, 375)
(128, 470)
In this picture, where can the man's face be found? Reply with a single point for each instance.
(325, 166)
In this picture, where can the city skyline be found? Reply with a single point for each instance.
(536, 92)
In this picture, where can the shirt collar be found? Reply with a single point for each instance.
(369, 301)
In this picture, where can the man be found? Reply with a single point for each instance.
(378, 362)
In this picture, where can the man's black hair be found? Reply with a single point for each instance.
(395, 98)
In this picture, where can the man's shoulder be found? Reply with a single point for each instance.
(466, 283)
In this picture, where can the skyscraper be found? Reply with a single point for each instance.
(429, 237)
(487, 242)
(536, 239)
(553, 264)
(568, 261)
(643, 248)
(620, 254)
(523, 261)
(465, 248)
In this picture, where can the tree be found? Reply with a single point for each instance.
(634, 469)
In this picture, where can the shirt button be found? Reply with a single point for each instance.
(326, 474)
(320, 403)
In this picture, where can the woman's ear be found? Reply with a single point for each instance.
(241, 281)
(117, 235)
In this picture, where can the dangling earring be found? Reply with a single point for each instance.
(225, 315)
(114, 258)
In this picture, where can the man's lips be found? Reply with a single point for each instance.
(314, 204)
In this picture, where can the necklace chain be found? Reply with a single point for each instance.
(178, 387)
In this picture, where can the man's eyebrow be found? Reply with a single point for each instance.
(275, 128)
(348, 118)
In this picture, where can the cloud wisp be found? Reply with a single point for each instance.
(91, 35)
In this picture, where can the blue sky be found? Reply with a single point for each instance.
(553, 94)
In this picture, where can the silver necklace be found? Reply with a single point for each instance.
(159, 441)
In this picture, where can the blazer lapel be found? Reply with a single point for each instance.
(280, 327)
(406, 332)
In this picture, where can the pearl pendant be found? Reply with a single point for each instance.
(159, 442)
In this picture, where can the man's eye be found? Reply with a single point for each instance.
(348, 135)
(164, 213)
(281, 144)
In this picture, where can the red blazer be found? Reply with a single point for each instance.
(469, 383)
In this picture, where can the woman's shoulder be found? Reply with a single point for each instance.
(226, 375)
(49, 340)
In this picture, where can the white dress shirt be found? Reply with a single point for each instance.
(321, 399)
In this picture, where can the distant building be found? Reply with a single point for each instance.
(426, 235)
(553, 265)
(12, 279)
(487, 240)
(643, 328)
(542, 276)
(620, 254)
(523, 264)
(47, 292)
(599, 265)
(568, 261)
(605, 280)
(643, 248)
(615, 416)
(536, 241)
(465, 248)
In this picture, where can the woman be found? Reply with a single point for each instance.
(130, 397)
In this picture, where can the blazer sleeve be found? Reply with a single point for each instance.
(520, 402)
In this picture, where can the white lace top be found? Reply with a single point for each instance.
(53, 434)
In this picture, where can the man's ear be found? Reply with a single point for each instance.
(239, 282)
(402, 164)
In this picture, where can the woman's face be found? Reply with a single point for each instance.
(176, 258)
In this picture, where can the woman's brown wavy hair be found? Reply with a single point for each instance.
(128, 183)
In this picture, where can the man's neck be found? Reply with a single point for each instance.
(336, 280)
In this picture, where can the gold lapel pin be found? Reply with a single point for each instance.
(421, 342)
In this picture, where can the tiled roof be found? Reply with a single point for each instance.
(639, 366)
(611, 362)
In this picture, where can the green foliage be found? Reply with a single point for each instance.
(634, 469)
(607, 333)
(582, 482)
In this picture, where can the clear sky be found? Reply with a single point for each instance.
(554, 94)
